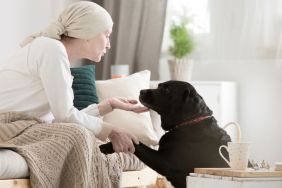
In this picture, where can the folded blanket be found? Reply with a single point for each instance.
(59, 154)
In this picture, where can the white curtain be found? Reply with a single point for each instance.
(242, 30)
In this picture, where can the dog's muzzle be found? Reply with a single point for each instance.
(145, 93)
(145, 96)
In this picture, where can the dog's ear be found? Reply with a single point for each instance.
(188, 93)
(185, 94)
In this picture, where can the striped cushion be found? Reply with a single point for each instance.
(84, 87)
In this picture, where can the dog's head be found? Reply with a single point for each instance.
(175, 101)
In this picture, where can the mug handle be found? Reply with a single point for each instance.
(222, 156)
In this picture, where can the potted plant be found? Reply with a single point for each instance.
(182, 45)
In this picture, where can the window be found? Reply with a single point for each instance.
(230, 29)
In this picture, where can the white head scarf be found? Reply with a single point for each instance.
(83, 20)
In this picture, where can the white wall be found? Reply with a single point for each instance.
(260, 100)
(20, 18)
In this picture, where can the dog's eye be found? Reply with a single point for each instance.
(164, 88)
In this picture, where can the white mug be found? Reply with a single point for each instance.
(239, 153)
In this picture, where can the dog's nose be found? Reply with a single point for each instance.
(145, 95)
(145, 92)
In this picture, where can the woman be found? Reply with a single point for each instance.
(37, 79)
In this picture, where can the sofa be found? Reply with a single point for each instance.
(13, 167)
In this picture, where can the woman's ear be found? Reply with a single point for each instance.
(84, 44)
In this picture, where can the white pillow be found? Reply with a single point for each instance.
(129, 87)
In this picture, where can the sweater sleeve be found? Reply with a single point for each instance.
(53, 68)
(103, 108)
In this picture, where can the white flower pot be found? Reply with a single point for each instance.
(181, 69)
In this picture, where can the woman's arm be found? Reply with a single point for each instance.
(109, 105)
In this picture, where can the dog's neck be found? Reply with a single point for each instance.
(190, 122)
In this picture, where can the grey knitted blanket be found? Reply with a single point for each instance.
(62, 155)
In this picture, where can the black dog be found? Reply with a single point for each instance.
(192, 138)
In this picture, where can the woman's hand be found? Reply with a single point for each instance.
(127, 104)
(122, 141)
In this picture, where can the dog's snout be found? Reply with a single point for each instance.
(142, 92)
(145, 92)
(146, 97)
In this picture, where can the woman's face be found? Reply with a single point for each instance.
(96, 47)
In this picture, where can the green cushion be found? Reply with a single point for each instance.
(83, 86)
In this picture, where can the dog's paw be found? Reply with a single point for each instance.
(107, 148)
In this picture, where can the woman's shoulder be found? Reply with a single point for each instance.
(47, 44)
(46, 40)
(47, 52)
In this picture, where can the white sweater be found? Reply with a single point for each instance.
(37, 80)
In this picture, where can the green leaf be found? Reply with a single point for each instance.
(183, 43)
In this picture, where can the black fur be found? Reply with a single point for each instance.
(181, 148)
